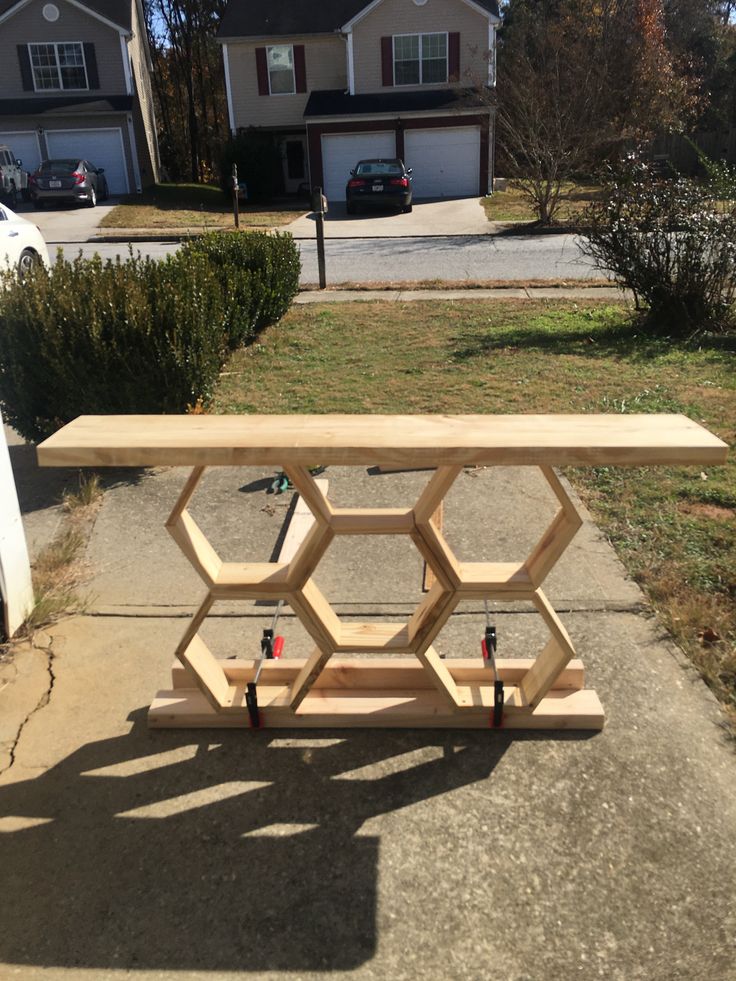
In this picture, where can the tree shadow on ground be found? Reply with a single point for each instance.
(632, 339)
(219, 850)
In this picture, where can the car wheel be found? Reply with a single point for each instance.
(352, 209)
(407, 209)
(28, 261)
(92, 198)
(38, 204)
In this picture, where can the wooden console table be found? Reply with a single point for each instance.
(419, 690)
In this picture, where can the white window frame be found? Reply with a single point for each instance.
(55, 45)
(270, 47)
(420, 36)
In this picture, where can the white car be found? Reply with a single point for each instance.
(21, 243)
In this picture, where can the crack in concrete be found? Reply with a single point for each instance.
(42, 703)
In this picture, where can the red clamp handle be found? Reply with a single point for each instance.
(278, 646)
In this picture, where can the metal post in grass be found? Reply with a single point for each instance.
(319, 207)
(236, 213)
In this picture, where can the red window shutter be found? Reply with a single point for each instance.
(453, 57)
(387, 61)
(300, 68)
(262, 69)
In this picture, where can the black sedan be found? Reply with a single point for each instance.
(68, 180)
(379, 183)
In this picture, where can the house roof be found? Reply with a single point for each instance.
(114, 10)
(274, 18)
(335, 102)
(65, 105)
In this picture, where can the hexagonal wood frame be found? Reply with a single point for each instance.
(439, 693)
(419, 690)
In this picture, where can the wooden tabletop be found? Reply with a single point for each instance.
(427, 440)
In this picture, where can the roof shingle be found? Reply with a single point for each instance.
(279, 18)
(115, 10)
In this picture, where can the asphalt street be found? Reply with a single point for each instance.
(520, 257)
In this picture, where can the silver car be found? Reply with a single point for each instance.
(68, 180)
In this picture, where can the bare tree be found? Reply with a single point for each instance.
(576, 79)
(188, 83)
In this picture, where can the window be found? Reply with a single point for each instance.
(58, 66)
(420, 59)
(281, 69)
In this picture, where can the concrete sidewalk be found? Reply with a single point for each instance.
(612, 293)
(361, 854)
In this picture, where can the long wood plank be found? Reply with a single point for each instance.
(431, 440)
(374, 672)
(326, 708)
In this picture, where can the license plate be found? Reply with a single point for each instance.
(54, 183)
(378, 187)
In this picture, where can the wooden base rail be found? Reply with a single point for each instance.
(421, 689)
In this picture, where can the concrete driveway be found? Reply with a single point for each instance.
(61, 224)
(459, 216)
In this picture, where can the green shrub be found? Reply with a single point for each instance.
(259, 275)
(260, 167)
(672, 243)
(94, 337)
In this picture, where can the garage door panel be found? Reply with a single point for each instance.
(342, 151)
(101, 147)
(446, 161)
(24, 146)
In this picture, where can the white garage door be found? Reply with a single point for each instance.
(446, 162)
(342, 151)
(24, 146)
(101, 147)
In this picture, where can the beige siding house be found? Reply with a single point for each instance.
(345, 80)
(75, 81)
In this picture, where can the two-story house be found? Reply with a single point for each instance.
(343, 80)
(75, 82)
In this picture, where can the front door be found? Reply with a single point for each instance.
(295, 163)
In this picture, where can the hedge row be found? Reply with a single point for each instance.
(136, 336)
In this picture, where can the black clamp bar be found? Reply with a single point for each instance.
(251, 700)
(267, 644)
(490, 645)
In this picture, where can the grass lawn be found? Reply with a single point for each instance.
(674, 528)
(192, 206)
(512, 205)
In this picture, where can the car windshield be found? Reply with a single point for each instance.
(378, 168)
(58, 166)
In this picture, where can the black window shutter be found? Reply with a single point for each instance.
(90, 59)
(25, 67)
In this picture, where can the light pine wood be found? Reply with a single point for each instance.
(325, 691)
(558, 652)
(192, 542)
(354, 440)
(307, 677)
(372, 521)
(338, 709)
(377, 673)
(429, 576)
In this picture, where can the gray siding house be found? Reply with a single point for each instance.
(75, 81)
(341, 80)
